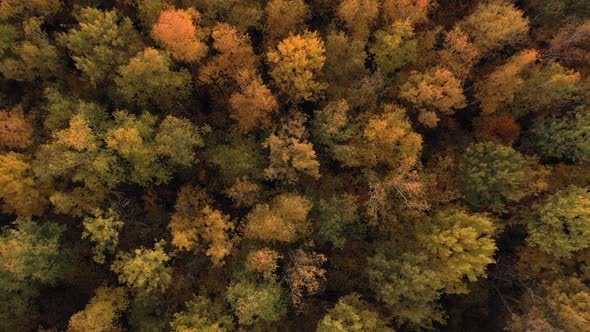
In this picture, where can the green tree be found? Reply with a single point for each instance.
(147, 80)
(252, 302)
(102, 41)
(493, 176)
(562, 224)
(144, 270)
(34, 58)
(395, 47)
(296, 63)
(32, 252)
(337, 220)
(352, 314)
(102, 229)
(201, 315)
(563, 136)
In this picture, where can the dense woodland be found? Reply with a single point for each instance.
(295, 165)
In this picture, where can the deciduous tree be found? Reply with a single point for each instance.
(102, 41)
(296, 63)
(148, 81)
(284, 219)
(144, 270)
(562, 224)
(177, 32)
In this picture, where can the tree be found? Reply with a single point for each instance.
(359, 16)
(492, 176)
(304, 274)
(461, 244)
(495, 24)
(394, 47)
(291, 155)
(31, 252)
(264, 263)
(243, 14)
(103, 313)
(33, 58)
(547, 85)
(284, 17)
(144, 270)
(562, 223)
(342, 49)
(337, 220)
(19, 189)
(414, 10)
(15, 131)
(176, 31)
(177, 139)
(102, 228)
(459, 54)
(77, 155)
(12, 9)
(201, 315)
(284, 219)
(568, 301)
(147, 80)
(253, 302)
(295, 65)
(149, 12)
(195, 222)
(61, 109)
(253, 105)
(352, 314)
(236, 156)
(499, 129)
(101, 42)
(571, 45)
(499, 88)
(234, 54)
(563, 136)
(153, 154)
(434, 92)
(410, 276)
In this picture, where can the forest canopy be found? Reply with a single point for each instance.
(295, 165)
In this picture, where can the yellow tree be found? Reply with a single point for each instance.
(177, 32)
(499, 88)
(495, 24)
(284, 219)
(19, 190)
(103, 313)
(296, 63)
(195, 225)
